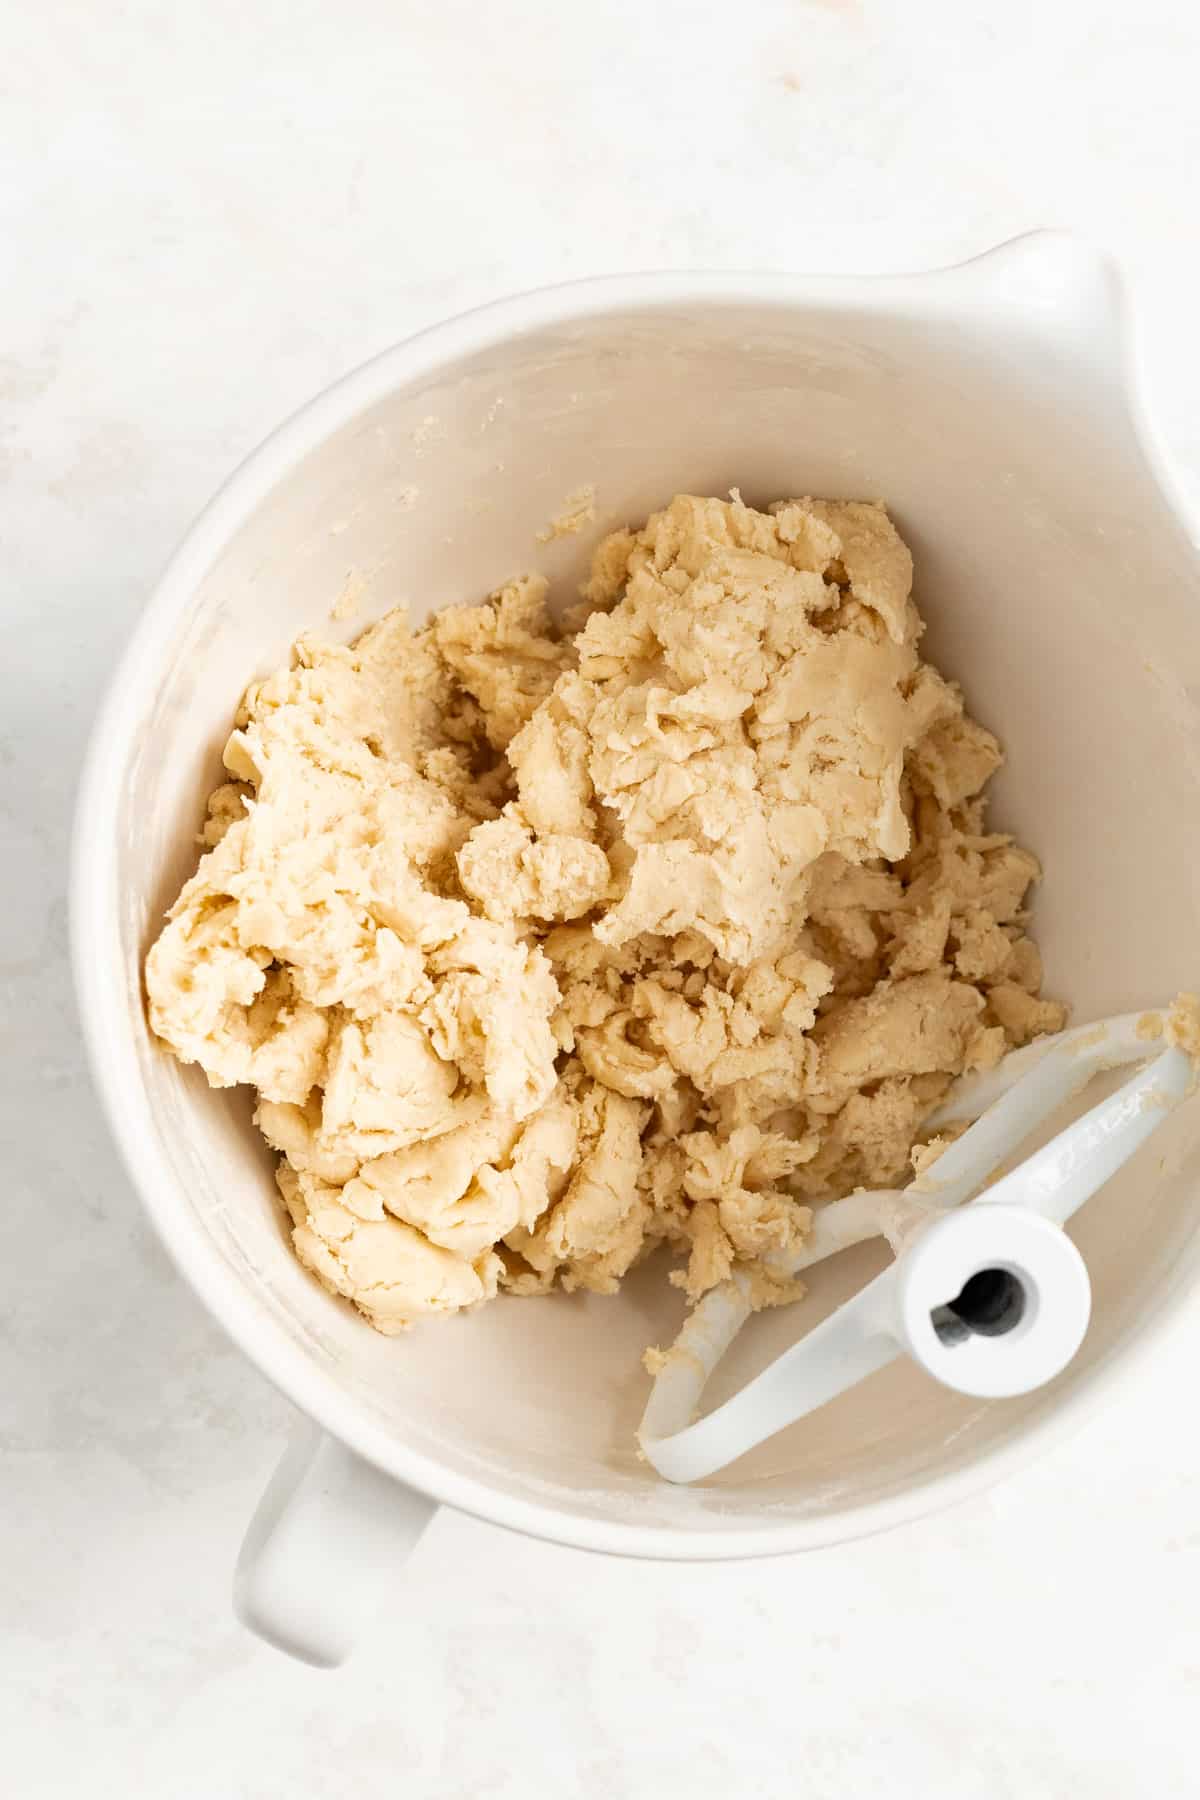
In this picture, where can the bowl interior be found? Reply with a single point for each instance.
(1059, 589)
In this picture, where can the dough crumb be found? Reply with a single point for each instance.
(576, 511)
(423, 434)
(348, 604)
(924, 1156)
(548, 943)
(1182, 1026)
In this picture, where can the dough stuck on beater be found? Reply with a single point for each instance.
(545, 946)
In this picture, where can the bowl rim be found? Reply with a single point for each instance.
(102, 995)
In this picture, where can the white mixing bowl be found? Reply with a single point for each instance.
(991, 406)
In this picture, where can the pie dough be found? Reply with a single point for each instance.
(546, 943)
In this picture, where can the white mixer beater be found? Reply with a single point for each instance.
(987, 1293)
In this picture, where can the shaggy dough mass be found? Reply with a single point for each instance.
(543, 945)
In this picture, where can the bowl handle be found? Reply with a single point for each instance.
(318, 1559)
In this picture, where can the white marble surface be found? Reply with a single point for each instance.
(211, 211)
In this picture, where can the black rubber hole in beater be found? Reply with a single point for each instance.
(991, 1303)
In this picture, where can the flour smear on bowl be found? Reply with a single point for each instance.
(547, 942)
